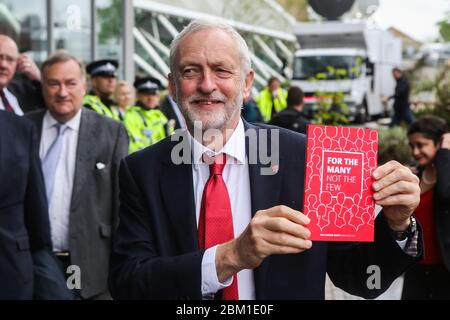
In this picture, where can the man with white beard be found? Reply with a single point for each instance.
(216, 225)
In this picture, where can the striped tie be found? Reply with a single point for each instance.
(5, 102)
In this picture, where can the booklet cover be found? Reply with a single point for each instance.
(338, 183)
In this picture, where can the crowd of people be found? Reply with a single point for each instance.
(87, 180)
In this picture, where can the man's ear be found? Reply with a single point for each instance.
(85, 87)
(248, 83)
(172, 89)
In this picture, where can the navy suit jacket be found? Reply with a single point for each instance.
(24, 222)
(156, 254)
(441, 203)
(28, 94)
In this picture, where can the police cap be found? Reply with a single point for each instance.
(105, 68)
(148, 85)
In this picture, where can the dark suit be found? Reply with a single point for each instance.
(431, 281)
(167, 108)
(94, 204)
(24, 223)
(290, 119)
(442, 203)
(156, 255)
(402, 111)
(28, 94)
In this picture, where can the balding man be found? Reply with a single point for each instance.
(211, 224)
(18, 96)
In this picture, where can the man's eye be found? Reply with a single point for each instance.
(222, 73)
(189, 72)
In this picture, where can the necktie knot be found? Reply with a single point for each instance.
(216, 163)
(61, 128)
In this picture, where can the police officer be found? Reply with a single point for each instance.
(145, 123)
(272, 99)
(103, 78)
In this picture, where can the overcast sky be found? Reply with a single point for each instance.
(417, 18)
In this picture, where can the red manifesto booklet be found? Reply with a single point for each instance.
(338, 183)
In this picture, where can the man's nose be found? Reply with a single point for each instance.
(3, 63)
(62, 92)
(207, 82)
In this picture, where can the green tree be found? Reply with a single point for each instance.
(297, 8)
(443, 94)
(110, 21)
(393, 145)
(444, 28)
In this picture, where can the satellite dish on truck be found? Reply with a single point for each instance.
(331, 9)
(368, 7)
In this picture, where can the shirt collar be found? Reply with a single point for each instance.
(234, 148)
(73, 123)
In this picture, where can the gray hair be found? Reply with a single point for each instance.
(203, 24)
(62, 56)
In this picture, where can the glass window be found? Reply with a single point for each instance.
(327, 67)
(72, 27)
(26, 22)
(109, 29)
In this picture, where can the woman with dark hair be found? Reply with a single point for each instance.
(430, 146)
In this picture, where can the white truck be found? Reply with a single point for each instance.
(368, 55)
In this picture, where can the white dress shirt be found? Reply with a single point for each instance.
(59, 206)
(237, 180)
(12, 101)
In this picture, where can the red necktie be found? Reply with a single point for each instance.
(5, 102)
(216, 221)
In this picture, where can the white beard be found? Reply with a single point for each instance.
(211, 119)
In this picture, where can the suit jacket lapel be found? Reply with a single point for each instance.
(37, 117)
(178, 197)
(265, 189)
(85, 150)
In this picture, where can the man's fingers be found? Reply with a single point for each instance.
(282, 225)
(389, 177)
(385, 169)
(398, 200)
(288, 213)
(286, 244)
(399, 187)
